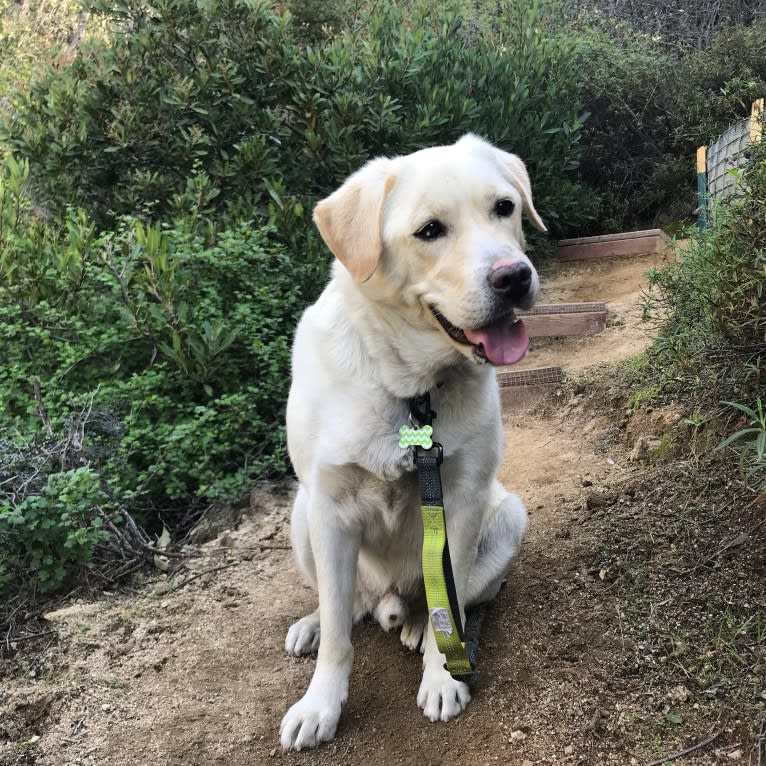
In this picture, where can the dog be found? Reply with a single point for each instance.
(430, 266)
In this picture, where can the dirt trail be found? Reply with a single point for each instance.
(199, 676)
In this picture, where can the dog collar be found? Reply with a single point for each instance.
(438, 578)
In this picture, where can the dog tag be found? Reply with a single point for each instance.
(409, 436)
(441, 621)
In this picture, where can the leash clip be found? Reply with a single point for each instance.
(435, 446)
(421, 413)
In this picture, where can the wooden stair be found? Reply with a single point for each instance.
(627, 243)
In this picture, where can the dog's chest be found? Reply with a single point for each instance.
(390, 509)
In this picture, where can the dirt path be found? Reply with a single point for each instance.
(198, 676)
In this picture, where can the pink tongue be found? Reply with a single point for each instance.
(504, 342)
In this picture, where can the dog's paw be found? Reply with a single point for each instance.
(413, 630)
(391, 612)
(307, 724)
(313, 719)
(396, 464)
(303, 636)
(441, 697)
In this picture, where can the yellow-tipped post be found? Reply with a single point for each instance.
(702, 187)
(756, 120)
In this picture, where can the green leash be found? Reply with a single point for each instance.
(441, 595)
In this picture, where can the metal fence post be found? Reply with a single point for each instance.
(702, 187)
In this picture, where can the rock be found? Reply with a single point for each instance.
(678, 694)
(640, 451)
(518, 735)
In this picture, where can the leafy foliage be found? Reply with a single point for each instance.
(750, 442)
(651, 105)
(713, 340)
(219, 108)
(174, 343)
(49, 531)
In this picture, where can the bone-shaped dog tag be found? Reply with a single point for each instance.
(409, 436)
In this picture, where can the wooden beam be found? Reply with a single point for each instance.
(522, 389)
(564, 319)
(624, 244)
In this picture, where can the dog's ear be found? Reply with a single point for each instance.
(349, 220)
(518, 176)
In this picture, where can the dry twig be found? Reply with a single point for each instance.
(687, 751)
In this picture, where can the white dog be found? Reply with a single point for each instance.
(430, 266)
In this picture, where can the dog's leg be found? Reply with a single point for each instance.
(335, 549)
(501, 535)
(303, 635)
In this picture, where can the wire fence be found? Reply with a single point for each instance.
(715, 163)
(725, 154)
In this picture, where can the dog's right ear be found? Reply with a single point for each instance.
(349, 220)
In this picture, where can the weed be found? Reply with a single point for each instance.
(750, 443)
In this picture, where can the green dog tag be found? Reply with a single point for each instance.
(410, 436)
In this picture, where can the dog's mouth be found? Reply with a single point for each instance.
(503, 341)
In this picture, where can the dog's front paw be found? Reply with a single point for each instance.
(313, 719)
(403, 462)
(303, 636)
(441, 697)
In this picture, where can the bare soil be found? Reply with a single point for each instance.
(633, 626)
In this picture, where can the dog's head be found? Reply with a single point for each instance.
(439, 231)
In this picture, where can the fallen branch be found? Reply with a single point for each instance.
(196, 576)
(688, 751)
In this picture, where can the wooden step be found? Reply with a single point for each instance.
(522, 389)
(535, 377)
(645, 242)
(559, 319)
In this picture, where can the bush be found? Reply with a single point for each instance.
(176, 343)
(651, 105)
(220, 108)
(713, 341)
(51, 529)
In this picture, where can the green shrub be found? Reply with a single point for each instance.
(220, 108)
(651, 105)
(53, 529)
(712, 343)
(175, 344)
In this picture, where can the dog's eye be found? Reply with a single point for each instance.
(432, 230)
(504, 208)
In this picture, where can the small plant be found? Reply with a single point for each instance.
(50, 531)
(750, 442)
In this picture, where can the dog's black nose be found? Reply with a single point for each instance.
(511, 280)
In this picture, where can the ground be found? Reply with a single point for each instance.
(632, 628)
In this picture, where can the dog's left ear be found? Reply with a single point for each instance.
(349, 220)
(518, 176)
